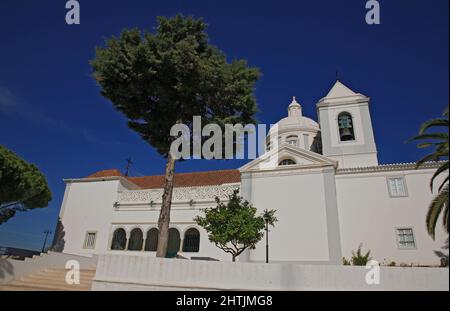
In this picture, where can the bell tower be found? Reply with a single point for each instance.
(346, 127)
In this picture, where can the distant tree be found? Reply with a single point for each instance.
(358, 259)
(159, 79)
(234, 227)
(439, 141)
(22, 186)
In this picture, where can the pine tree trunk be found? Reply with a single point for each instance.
(164, 215)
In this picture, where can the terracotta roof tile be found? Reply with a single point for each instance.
(195, 179)
(106, 173)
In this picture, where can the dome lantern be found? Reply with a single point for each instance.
(294, 109)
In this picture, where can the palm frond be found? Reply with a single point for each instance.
(428, 158)
(433, 123)
(439, 203)
(443, 183)
(441, 136)
(441, 169)
(445, 219)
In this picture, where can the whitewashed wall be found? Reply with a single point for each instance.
(88, 206)
(117, 272)
(300, 198)
(369, 215)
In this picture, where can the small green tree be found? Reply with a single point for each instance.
(439, 141)
(233, 227)
(358, 259)
(167, 77)
(22, 185)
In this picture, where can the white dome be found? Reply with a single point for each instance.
(295, 121)
(295, 130)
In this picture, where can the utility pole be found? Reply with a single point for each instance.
(46, 232)
(267, 238)
(129, 163)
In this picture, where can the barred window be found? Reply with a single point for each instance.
(191, 241)
(405, 238)
(89, 240)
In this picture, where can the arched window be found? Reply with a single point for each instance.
(136, 240)
(191, 242)
(292, 140)
(345, 123)
(174, 243)
(287, 162)
(119, 240)
(151, 242)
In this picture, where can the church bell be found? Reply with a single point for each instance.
(346, 134)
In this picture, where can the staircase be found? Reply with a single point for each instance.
(50, 279)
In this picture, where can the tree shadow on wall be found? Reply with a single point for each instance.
(58, 239)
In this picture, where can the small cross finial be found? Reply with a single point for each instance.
(129, 163)
(337, 75)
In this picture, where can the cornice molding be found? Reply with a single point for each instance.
(388, 168)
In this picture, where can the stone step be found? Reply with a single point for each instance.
(62, 273)
(15, 288)
(47, 286)
(53, 281)
(55, 270)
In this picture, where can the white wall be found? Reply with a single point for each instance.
(88, 206)
(116, 272)
(299, 198)
(368, 215)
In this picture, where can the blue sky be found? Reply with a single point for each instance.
(52, 115)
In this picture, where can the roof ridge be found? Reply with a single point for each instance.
(185, 173)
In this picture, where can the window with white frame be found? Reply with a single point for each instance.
(397, 187)
(89, 241)
(405, 238)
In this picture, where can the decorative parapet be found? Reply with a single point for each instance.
(388, 167)
(182, 194)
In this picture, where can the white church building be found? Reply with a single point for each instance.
(327, 186)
